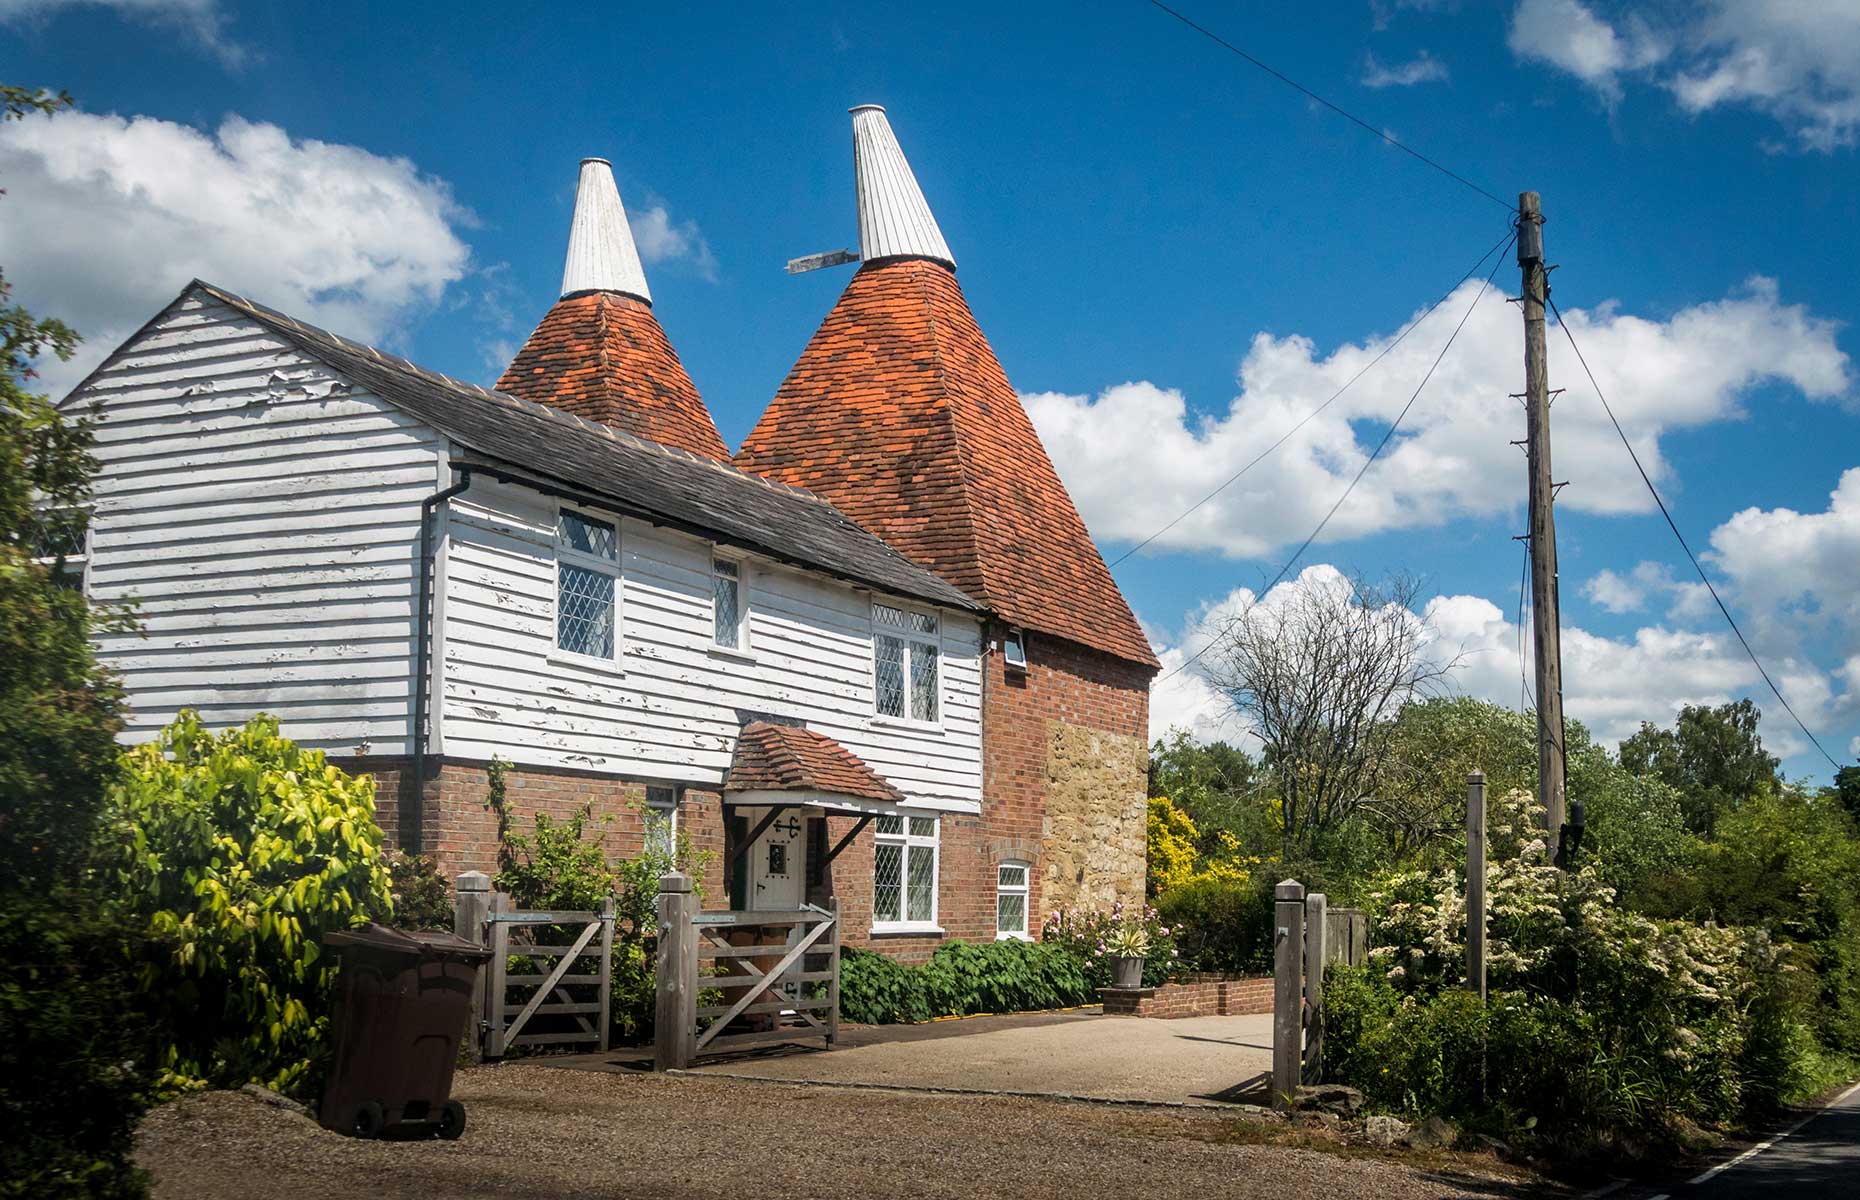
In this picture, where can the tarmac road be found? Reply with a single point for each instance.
(1818, 1159)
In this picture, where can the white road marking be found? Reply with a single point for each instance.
(1762, 1146)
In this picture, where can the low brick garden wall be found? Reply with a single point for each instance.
(1199, 997)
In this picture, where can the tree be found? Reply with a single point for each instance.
(1218, 785)
(68, 1101)
(1317, 671)
(1712, 756)
(1847, 789)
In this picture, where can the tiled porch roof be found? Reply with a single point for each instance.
(787, 758)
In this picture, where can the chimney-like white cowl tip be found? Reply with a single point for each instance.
(601, 253)
(894, 220)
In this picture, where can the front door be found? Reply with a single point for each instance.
(778, 863)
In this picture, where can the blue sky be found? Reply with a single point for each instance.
(1129, 205)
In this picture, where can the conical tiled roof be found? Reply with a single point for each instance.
(600, 353)
(899, 413)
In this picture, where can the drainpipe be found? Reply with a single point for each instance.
(423, 673)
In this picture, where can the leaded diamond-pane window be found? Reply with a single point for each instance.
(904, 872)
(585, 536)
(890, 675)
(887, 882)
(923, 682)
(584, 611)
(905, 679)
(726, 590)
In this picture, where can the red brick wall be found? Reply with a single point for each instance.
(1064, 682)
(1195, 998)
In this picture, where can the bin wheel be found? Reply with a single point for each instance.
(451, 1121)
(368, 1120)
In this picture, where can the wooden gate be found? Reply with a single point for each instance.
(564, 939)
(770, 977)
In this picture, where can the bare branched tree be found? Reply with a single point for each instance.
(1318, 671)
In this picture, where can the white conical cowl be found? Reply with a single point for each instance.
(601, 253)
(894, 220)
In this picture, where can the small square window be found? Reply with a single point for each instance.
(1014, 650)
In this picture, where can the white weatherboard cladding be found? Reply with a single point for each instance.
(669, 706)
(894, 218)
(601, 253)
(266, 516)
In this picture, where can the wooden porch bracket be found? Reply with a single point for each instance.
(847, 840)
(762, 826)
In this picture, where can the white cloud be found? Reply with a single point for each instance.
(1610, 684)
(1619, 593)
(1615, 592)
(1794, 60)
(661, 239)
(1567, 34)
(1452, 457)
(1422, 68)
(202, 20)
(107, 218)
(1797, 571)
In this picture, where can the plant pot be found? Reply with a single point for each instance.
(1127, 971)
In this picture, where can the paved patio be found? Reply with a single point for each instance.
(1194, 1060)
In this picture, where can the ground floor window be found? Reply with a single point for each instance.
(904, 873)
(662, 819)
(1011, 900)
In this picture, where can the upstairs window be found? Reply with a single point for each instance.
(64, 546)
(904, 857)
(1014, 650)
(587, 570)
(904, 649)
(1011, 900)
(726, 591)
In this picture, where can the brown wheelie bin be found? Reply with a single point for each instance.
(402, 1001)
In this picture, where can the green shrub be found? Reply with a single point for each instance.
(1221, 925)
(562, 865)
(235, 854)
(1085, 934)
(421, 897)
(960, 979)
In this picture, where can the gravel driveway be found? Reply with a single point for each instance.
(538, 1132)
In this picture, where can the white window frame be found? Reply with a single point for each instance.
(665, 806)
(741, 647)
(1024, 890)
(914, 640)
(1016, 638)
(76, 564)
(913, 843)
(588, 562)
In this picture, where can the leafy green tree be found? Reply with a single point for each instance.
(1712, 756)
(1847, 789)
(1220, 787)
(69, 1090)
(236, 853)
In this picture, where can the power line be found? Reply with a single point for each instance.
(1308, 417)
(1370, 461)
(1524, 578)
(1683, 545)
(1338, 109)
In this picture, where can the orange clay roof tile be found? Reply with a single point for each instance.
(787, 758)
(604, 356)
(900, 414)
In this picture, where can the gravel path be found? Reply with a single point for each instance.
(539, 1132)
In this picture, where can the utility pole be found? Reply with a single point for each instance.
(1550, 760)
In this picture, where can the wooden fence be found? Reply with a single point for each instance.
(564, 975)
(772, 977)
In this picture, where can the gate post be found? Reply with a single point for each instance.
(471, 900)
(1475, 884)
(674, 1026)
(1288, 994)
(1317, 934)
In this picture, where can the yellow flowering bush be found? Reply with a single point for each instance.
(236, 852)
